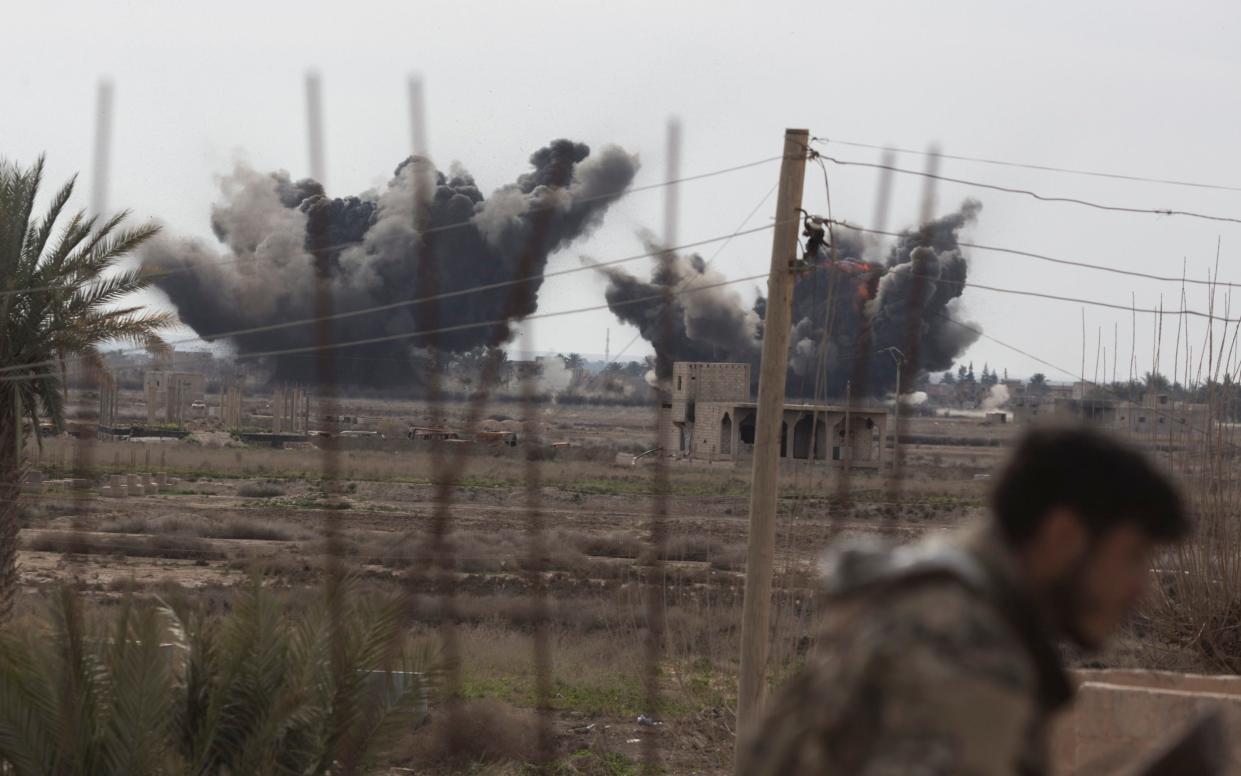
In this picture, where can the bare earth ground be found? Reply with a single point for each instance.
(239, 512)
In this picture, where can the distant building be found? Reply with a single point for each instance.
(1155, 414)
(108, 393)
(290, 410)
(1103, 412)
(1029, 407)
(710, 416)
(231, 406)
(170, 394)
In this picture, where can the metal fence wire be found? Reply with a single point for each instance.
(430, 576)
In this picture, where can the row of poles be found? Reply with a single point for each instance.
(764, 496)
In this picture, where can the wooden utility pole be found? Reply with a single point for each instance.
(760, 554)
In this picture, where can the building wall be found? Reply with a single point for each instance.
(169, 394)
(695, 381)
(108, 392)
(707, 440)
(1029, 407)
(704, 394)
(711, 441)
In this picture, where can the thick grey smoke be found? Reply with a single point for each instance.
(847, 310)
(708, 324)
(278, 234)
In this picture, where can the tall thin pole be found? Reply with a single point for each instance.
(656, 587)
(760, 554)
(103, 147)
(314, 126)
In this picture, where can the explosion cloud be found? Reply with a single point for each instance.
(847, 309)
(371, 252)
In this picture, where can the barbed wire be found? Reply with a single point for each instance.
(1028, 165)
(1066, 262)
(1029, 193)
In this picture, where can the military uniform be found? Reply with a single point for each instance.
(932, 663)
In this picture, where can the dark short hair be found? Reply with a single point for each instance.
(1106, 482)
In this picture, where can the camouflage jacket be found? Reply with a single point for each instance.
(931, 663)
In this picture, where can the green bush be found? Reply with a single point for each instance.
(263, 689)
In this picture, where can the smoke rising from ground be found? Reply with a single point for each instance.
(848, 310)
(996, 397)
(368, 247)
(710, 324)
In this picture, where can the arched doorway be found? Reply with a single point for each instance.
(745, 430)
(802, 437)
(807, 445)
(726, 435)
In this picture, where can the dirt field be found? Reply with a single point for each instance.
(235, 512)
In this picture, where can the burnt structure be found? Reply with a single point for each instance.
(711, 417)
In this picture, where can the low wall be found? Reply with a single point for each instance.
(1119, 717)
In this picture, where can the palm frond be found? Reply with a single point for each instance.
(41, 230)
(106, 248)
(18, 189)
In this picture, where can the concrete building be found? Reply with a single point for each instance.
(1029, 407)
(230, 406)
(290, 410)
(170, 394)
(1102, 412)
(1159, 414)
(109, 390)
(711, 417)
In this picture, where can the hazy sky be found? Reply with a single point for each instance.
(1141, 88)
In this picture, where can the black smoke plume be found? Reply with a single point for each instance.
(370, 250)
(849, 307)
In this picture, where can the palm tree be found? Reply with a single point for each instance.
(55, 303)
(164, 691)
(573, 361)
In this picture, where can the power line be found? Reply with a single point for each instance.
(1030, 166)
(1034, 194)
(637, 300)
(707, 265)
(1081, 378)
(443, 330)
(1078, 300)
(422, 300)
(155, 274)
(1066, 262)
(485, 324)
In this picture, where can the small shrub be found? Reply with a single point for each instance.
(247, 529)
(171, 546)
(470, 733)
(259, 490)
(126, 525)
(615, 544)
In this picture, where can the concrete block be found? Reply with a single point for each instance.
(1121, 717)
(133, 485)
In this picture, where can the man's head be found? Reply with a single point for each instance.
(1084, 515)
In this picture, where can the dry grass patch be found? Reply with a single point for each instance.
(467, 734)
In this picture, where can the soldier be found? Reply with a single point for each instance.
(941, 658)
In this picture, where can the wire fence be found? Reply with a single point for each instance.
(655, 590)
